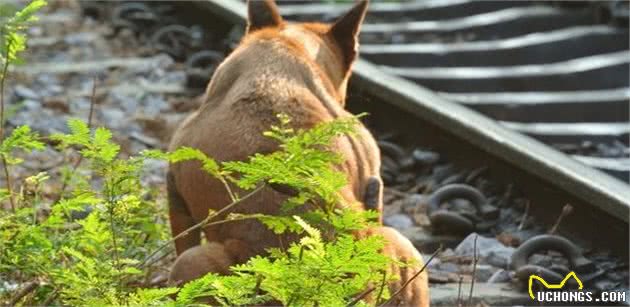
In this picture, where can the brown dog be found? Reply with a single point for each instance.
(211, 257)
(217, 258)
(297, 69)
(301, 70)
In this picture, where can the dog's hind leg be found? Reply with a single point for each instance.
(180, 218)
(212, 257)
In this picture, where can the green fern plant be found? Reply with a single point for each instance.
(100, 239)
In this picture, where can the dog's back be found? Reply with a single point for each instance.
(297, 69)
(300, 70)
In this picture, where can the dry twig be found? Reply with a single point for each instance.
(525, 215)
(24, 291)
(475, 260)
(202, 224)
(566, 210)
(459, 291)
(361, 296)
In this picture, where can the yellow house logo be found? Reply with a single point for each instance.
(552, 286)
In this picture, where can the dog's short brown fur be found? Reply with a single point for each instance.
(301, 70)
(297, 69)
(213, 257)
(217, 258)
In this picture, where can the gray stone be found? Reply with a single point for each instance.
(43, 160)
(449, 267)
(448, 252)
(435, 262)
(425, 156)
(497, 260)
(426, 242)
(490, 294)
(144, 139)
(500, 276)
(483, 272)
(415, 203)
(25, 92)
(490, 250)
(80, 38)
(30, 104)
(113, 117)
(57, 66)
(398, 221)
(154, 105)
(126, 101)
(42, 120)
(541, 260)
(154, 171)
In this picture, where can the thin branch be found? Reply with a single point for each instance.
(524, 218)
(146, 263)
(202, 224)
(566, 210)
(7, 175)
(5, 166)
(412, 278)
(475, 260)
(50, 298)
(361, 296)
(256, 291)
(111, 203)
(24, 291)
(459, 291)
(3, 77)
(233, 196)
(383, 285)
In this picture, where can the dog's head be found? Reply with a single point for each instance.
(333, 47)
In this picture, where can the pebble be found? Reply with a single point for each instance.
(145, 139)
(605, 285)
(449, 267)
(42, 120)
(114, 118)
(43, 160)
(31, 104)
(80, 38)
(483, 272)
(541, 260)
(426, 242)
(398, 221)
(391, 207)
(154, 105)
(499, 276)
(484, 294)
(426, 157)
(414, 203)
(154, 172)
(25, 92)
(490, 250)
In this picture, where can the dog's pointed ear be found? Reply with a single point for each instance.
(345, 31)
(261, 14)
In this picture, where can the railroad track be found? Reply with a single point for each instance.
(435, 107)
(557, 74)
(440, 117)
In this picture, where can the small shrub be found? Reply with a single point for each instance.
(101, 237)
